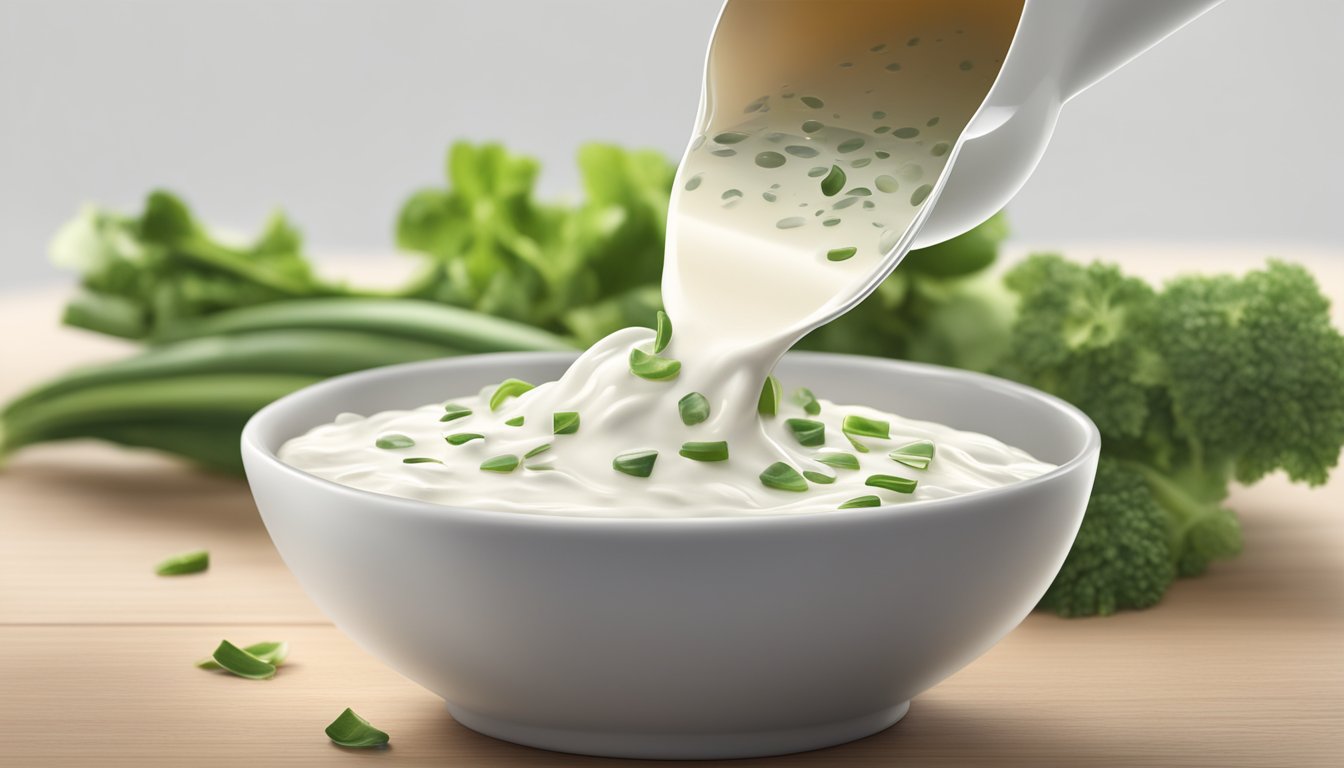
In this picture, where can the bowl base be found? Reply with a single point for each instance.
(682, 746)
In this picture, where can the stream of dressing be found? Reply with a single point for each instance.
(798, 195)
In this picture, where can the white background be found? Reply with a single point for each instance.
(1228, 133)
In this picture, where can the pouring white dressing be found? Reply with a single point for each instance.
(799, 194)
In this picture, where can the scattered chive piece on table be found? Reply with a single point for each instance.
(420, 460)
(863, 427)
(351, 730)
(565, 422)
(273, 653)
(712, 451)
(664, 333)
(540, 449)
(233, 659)
(861, 501)
(454, 411)
(818, 477)
(891, 483)
(506, 389)
(394, 441)
(694, 408)
(807, 432)
(916, 455)
(637, 464)
(834, 182)
(505, 463)
(808, 401)
(841, 254)
(187, 562)
(782, 477)
(839, 460)
(652, 367)
(516, 421)
(463, 437)
(768, 404)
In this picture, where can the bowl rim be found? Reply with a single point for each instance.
(252, 445)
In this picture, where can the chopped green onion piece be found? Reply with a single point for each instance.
(241, 663)
(653, 367)
(454, 411)
(273, 653)
(818, 477)
(420, 460)
(861, 501)
(540, 449)
(516, 421)
(834, 182)
(638, 463)
(664, 333)
(781, 476)
(505, 463)
(841, 254)
(808, 401)
(394, 441)
(539, 467)
(565, 423)
(860, 447)
(187, 562)
(506, 389)
(694, 408)
(807, 432)
(891, 483)
(351, 730)
(712, 451)
(463, 437)
(916, 455)
(839, 460)
(768, 404)
(858, 425)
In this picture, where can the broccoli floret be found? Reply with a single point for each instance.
(1210, 380)
(1255, 372)
(1121, 558)
(1080, 334)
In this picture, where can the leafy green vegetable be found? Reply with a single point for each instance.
(187, 562)
(861, 501)
(891, 483)
(508, 388)
(351, 730)
(148, 272)
(584, 269)
(808, 401)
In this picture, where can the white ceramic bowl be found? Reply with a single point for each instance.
(680, 638)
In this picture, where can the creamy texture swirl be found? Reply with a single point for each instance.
(620, 413)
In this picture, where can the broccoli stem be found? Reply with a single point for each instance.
(1185, 510)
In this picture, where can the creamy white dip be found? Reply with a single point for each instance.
(795, 198)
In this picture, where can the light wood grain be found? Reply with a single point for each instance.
(1242, 667)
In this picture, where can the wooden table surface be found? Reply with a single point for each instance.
(1244, 666)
